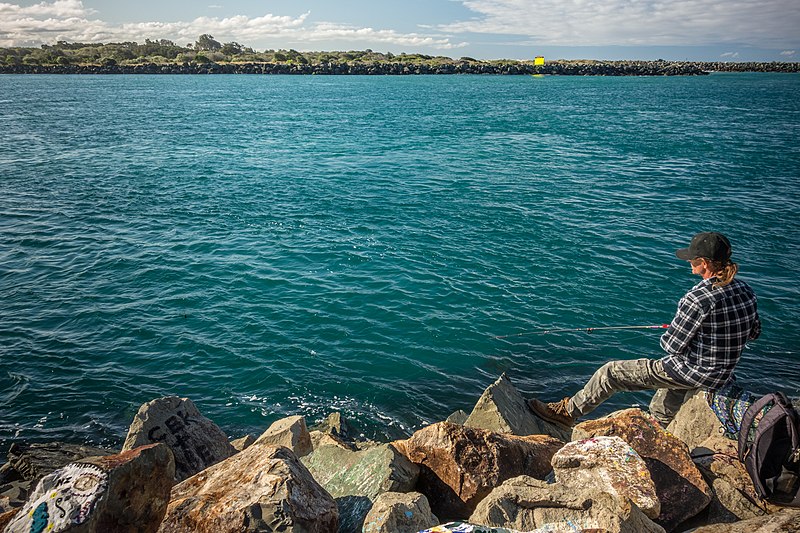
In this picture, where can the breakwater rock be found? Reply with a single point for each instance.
(565, 68)
(620, 473)
(399, 68)
(726, 66)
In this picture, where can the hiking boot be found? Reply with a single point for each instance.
(555, 413)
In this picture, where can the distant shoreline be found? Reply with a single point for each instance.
(563, 68)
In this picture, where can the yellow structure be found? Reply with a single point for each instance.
(538, 60)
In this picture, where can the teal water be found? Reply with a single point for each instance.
(295, 245)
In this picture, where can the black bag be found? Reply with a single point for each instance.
(769, 447)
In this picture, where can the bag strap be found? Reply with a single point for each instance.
(793, 421)
(750, 415)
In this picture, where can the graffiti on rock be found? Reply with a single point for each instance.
(61, 500)
(176, 433)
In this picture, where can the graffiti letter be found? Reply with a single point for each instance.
(153, 437)
(174, 424)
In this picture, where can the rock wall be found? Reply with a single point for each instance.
(622, 473)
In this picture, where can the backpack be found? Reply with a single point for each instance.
(769, 447)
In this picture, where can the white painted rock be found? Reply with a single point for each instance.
(124, 493)
(608, 464)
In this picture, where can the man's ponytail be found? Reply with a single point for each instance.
(725, 272)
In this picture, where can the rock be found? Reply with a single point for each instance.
(28, 463)
(335, 424)
(6, 517)
(680, 487)
(695, 421)
(502, 409)
(243, 443)
(263, 488)
(608, 464)
(395, 512)
(195, 441)
(526, 504)
(356, 479)
(319, 439)
(461, 526)
(15, 494)
(459, 466)
(784, 521)
(458, 417)
(31, 462)
(123, 493)
(290, 432)
(734, 496)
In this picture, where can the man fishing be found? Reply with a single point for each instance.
(703, 343)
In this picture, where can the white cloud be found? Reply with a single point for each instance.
(767, 23)
(326, 31)
(729, 54)
(69, 20)
(57, 9)
(788, 53)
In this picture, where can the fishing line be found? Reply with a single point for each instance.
(546, 331)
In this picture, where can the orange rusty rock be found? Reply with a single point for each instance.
(459, 466)
(6, 517)
(263, 488)
(680, 487)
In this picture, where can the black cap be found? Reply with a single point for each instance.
(708, 245)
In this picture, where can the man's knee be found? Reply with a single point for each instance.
(667, 402)
(628, 372)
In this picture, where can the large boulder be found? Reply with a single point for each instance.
(695, 421)
(785, 521)
(28, 463)
(263, 488)
(396, 512)
(356, 478)
(502, 409)
(290, 432)
(125, 493)
(31, 462)
(735, 497)
(525, 504)
(608, 464)
(195, 441)
(459, 466)
(680, 487)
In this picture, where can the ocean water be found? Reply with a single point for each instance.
(270, 245)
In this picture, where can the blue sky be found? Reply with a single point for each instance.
(710, 30)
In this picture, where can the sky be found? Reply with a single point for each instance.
(693, 30)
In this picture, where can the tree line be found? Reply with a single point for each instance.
(205, 49)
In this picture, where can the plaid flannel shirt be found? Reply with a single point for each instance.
(705, 339)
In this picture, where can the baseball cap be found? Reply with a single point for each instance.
(709, 245)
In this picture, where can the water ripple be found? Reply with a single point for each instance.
(272, 246)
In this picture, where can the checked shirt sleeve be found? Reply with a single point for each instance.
(683, 328)
(755, 331)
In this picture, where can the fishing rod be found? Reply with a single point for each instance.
(545, 331)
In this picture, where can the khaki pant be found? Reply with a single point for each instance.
(639, 374)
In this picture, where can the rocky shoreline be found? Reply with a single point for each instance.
(562, 68)
(498, 469)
